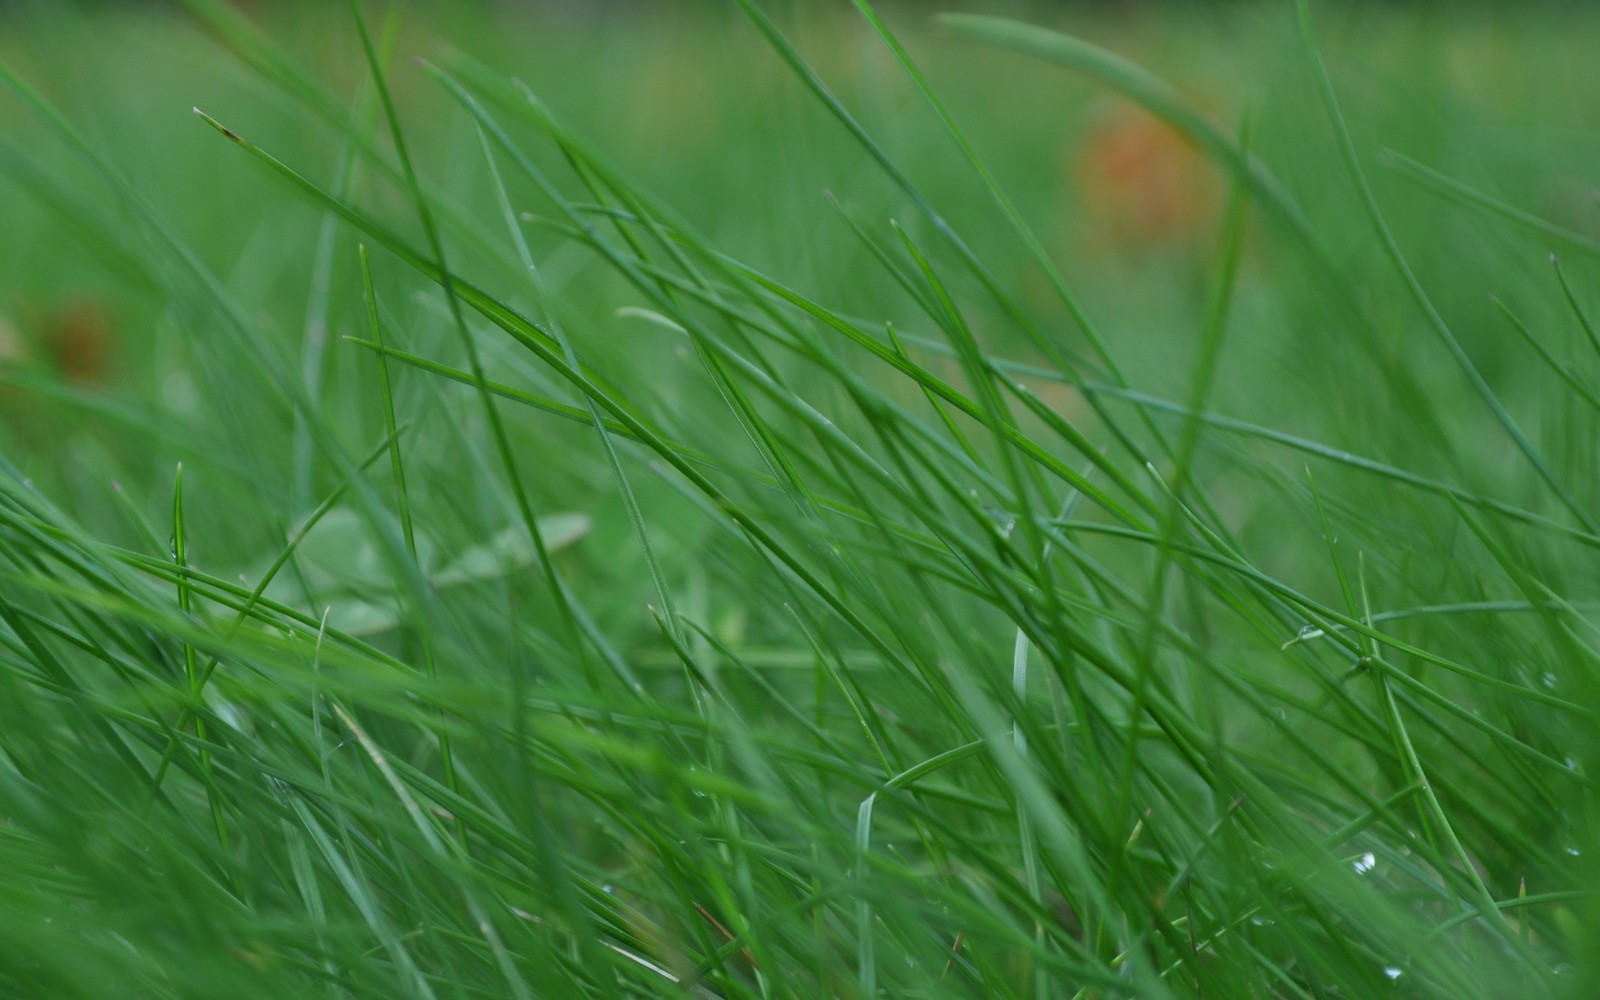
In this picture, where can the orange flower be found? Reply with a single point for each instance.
(1141, 184)
(74, 337)
(80, 341)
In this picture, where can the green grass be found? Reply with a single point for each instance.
(712, 502)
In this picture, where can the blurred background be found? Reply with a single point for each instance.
(97, 373)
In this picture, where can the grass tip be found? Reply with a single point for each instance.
(225, 130)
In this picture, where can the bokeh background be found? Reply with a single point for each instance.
(688, 100)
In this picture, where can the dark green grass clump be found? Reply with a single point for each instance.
(486, 577)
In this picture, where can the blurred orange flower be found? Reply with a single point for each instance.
(1140, 183)
(74, 338)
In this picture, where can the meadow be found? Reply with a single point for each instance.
(750, 499)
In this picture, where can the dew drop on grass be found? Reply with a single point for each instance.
(1365, 863)
(1392, 971)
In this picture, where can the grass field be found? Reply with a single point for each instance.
(768, 500)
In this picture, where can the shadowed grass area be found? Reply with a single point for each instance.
(730, 501)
